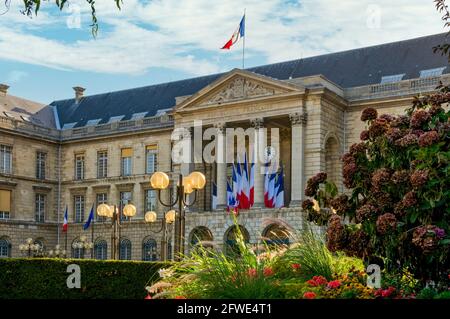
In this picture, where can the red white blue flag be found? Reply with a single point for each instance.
(239, 33)
(66, 221)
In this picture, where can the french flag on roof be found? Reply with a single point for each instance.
(239, 33)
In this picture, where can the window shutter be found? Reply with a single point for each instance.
(127, 152)
(5, 201)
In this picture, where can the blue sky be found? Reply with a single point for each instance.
(150, 42)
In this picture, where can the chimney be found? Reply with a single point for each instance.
(78, 93)
(3, 89)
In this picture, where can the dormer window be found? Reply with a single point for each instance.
(432, 72)
(391, 78)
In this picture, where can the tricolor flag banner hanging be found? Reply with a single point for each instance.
(279, 197)
(266, 184)
(245, 193)
(66, 221)
(239, 183)
(231, 201)
(252, 181)
(90, 218)
(236, 180)
(239, 33)
(214, 196)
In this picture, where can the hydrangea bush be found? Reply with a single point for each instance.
(397, 207)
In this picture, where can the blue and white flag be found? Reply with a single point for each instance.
(90, 218)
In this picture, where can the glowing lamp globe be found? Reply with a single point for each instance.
(170, 216)
(159, 180)
(103, 210)
(187, 185)
(150, 217)
(198, 180)
(129, 210)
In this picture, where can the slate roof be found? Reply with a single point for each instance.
(350, 68)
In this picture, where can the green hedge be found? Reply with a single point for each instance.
(44, 278)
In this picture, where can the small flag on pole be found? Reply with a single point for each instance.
(90, 218)
(239, 33)
(66, 221)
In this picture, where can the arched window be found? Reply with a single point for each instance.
(76, 251)
(149, 249)
(5, 248)
(200, 234)
(125, 249)
(231, 235)
(101, 249)
(276, 234)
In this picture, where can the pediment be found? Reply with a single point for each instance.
(235, 86)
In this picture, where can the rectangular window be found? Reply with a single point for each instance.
(5, 159)
(102, 164)
(125, 198)
(79, 166)
(40, 208)
(126, 162)
(79, 208)
(150, 200)
(102, 198)
(41, 158)
(5, 204)
(151, 159)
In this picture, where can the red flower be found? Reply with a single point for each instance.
(268, 271)
(148, 297)
(180, 297)
(334, 284)
(448, 276)
(298, 266)
(252, 272)
(309, 295)
(317, 281)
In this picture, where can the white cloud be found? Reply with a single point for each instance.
(170, 33)
(16, 76)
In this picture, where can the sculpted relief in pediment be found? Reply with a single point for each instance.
(240, 88)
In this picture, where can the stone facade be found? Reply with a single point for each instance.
(317, 119)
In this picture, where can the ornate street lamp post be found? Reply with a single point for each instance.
(83, 244)
(30, 247)
(57, 252)
(185, 186)
(151, 217)
(112, 211)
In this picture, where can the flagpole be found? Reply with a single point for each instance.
(243, 43)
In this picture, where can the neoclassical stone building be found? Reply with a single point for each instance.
(80, 152)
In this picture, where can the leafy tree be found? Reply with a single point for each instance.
(31, 7)
(398, 204)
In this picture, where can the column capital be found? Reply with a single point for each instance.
(297, 118)
(220, 126)
(257, 123)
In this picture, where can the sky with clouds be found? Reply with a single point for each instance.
(156, 41)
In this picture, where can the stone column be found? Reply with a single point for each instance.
(221, 166)
(260, 143)
(298, 122)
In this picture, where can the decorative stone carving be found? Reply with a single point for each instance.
(221, 127)
(257, 123)
(297, 118)
(240, 88)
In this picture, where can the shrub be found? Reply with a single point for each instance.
(45, 278)
(400, 191)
